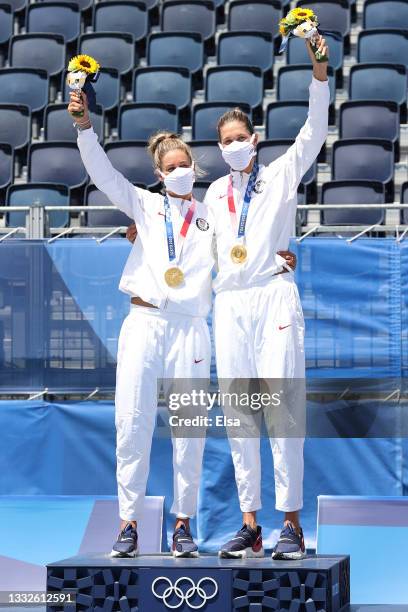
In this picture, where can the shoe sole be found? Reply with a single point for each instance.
(296, 556)
(248, 553)
(185, 555)
(116, 553)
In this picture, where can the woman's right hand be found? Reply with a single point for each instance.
(131, 233)
(78, 102)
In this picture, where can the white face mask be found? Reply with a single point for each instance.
(238, 154)
(180, 180)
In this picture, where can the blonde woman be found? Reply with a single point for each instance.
(165, 334)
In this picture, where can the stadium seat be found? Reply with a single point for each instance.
(131, 158)
(247, 49)
(384, 46)
(297, 50)
(207, 155)
(24, 86)
(358, 191)
(113, 50)
(39, 51)
(114, 16)
(62, 18)
(258, 16)
(206, 115)
(183, 49)
(107, 88)
(284, 119)
(45, 193)
(6, 165)
(364, 158)
(404, 200)
(163, 84)
(294, 81)
(390, 14)
(15, 125)
(333, 15)
(235, 84)
(6, 23)
(83, 5)
(200, 189)
(379, 82)
(270, 150)
(100, 218)
(139, 120)
(56, 162)
(58, 123)
(189, 16)
(17, 5)
(370, 119)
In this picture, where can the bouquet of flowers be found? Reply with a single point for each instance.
(82, 71)
(301, 22)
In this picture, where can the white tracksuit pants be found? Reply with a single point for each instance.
(259, 333)
(156, 345)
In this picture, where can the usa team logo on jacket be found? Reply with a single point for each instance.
(202, 224)
(259, 186)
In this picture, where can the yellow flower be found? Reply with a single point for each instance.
(282, 30)
(86, 63)
(301, 14)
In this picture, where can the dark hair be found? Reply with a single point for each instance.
(236, 114)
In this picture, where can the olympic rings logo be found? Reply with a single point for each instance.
(194, 589)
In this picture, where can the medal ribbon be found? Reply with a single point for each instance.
(246, 203)
(171, 247)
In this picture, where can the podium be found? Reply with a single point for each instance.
(153, 583)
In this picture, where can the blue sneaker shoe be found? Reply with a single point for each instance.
(183, 543)
(290, 545)
(126, 544)
(246, 543)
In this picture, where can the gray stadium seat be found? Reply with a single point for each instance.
(56, 162)
(24, 86)
(100, 218)
(45, 193)
(58, 123)
(389, 14)
(132, 160)
(39, 51)
(357, 191)
(55, 18)
(6, 165)
(111, 49)
(139, 120)
(15, 125)
(121, 16)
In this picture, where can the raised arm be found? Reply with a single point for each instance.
(312, 135)
(107, 179)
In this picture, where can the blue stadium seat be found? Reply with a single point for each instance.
(364, 158)
(189, 16)
(358, 191)
(55, 18)
(100, 218)
(379, 82)
(200, 189)
(114, 16)
(258, 16)
(45, 193)
(112, 49)
(247, 49)
(6, 165)
(83, 5)
(163, 84)
(384, 46)
(284, 119)
(131, 158)
(404, 200)
(185, 49)
(333, 15)
(39, 51)
(15, 125)
(293, 84)
(56, 162)
(17, 6)
(58, 123)
(207, 155)
(24, 86)
(6, 23)
(269, 150)
(107, 88)
(139, 120)
(235, 84)
(297, 51)
(206, 115)
(390, 14)
(370, 119)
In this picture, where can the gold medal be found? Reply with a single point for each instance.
(239, 253)
(174, 276)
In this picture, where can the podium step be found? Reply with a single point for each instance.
(151, 583)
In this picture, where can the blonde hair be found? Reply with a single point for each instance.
(161, 143)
